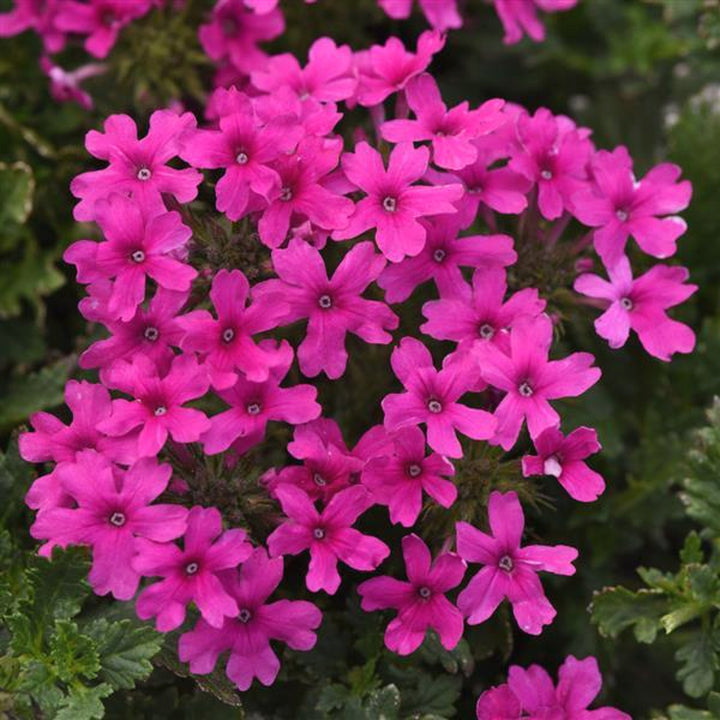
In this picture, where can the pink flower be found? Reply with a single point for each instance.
(254, 404)
(421, 602)
(327, 77)
(393, 204)
(563, 458)
(113, 509)
(441, 258)
(52, 440)
(136, 247)
(245, 148)
(137, 167)
(441, 14)
(191, 574)
(247, 636)
(65, 85)
(486, 184)
(333, 307)
(530, 693)
(431, 397)
(510, 570)
(100, 20)
(530, 379)
(480, 314)
(151, 332)
(398, 480)
(38, 15)
(553, 154)
(157, 404)
(328, 466)
(498, 703)
(328, 535)
(386, 69)
(520, 16)
(450, 132)
(302, 195)
(641, 305)
(620, 207)
(226, 344)
(234, 32)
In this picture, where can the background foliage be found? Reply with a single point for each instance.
(646, 599)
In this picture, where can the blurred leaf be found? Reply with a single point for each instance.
(17, 186)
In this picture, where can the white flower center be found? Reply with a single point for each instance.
(286, 194)
(253, 409)
(118, 519)
(144, 174)
(487, 331)
(439, 255)
(552, 466)
(626, 303)
(434, 406)
(319, 480)
(138, 256)
(244, 616)
(318, 533)
(242, 158)
(159, 411)
(525, 390)
(325, 302)
(621, 215)
(546, 175)
(424, 592)
(414, 470)
(505, 563)
(192, 568)
(228, 335)
(389, 203)
(151, 333)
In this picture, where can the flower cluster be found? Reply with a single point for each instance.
(193, 364)
(531, 693)
(231, 36)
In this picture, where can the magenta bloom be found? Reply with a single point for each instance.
(531, 693)
(136, 247)
(441, 14)
(113, 509)
(450, 132)
(486, 184)
(191, 574)
(393, 204)
(328, 466)
(327, 77)
(100, 20)
(333, 307)
(245, 148)
(420, 602)
(641, 305)
(520, 16)
(65, 85)
(157, 405)
(328, 535)
(137, 167)
(52, 440)
(38, 15)
(481, 314)
(530, 379)
(554, 155)
(441, 258)
(151, 332)
(386, 69)
(234, 32)
(302, 195)
(247, 635)
(620, 206)
(510, 570)
(432, 397)
(398, 480)
(226, 344)
(563, 458)
(254, 404)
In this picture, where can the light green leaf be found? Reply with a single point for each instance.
(84, 704)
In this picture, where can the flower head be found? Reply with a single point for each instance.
(420, 602)
(510, 571)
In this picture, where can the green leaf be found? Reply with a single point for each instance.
(84, 703)
(332, 697)
(125, 651)
(616, 609)
(459, 659)
(29, 393)
(680, 712)
(73, 654)
(434, 696)
(384, 704)
(699, 663)
(17, 186)
(692, 549)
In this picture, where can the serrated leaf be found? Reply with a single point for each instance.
(616, 609)
(332, 697)
(38, 681)
(384, 704)
(29, 393)
(434, 696)
(692, 549)
(73, 654)
(684, 614)
(17, 186)
(84, 703)
(699, 663)
(125, 651)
